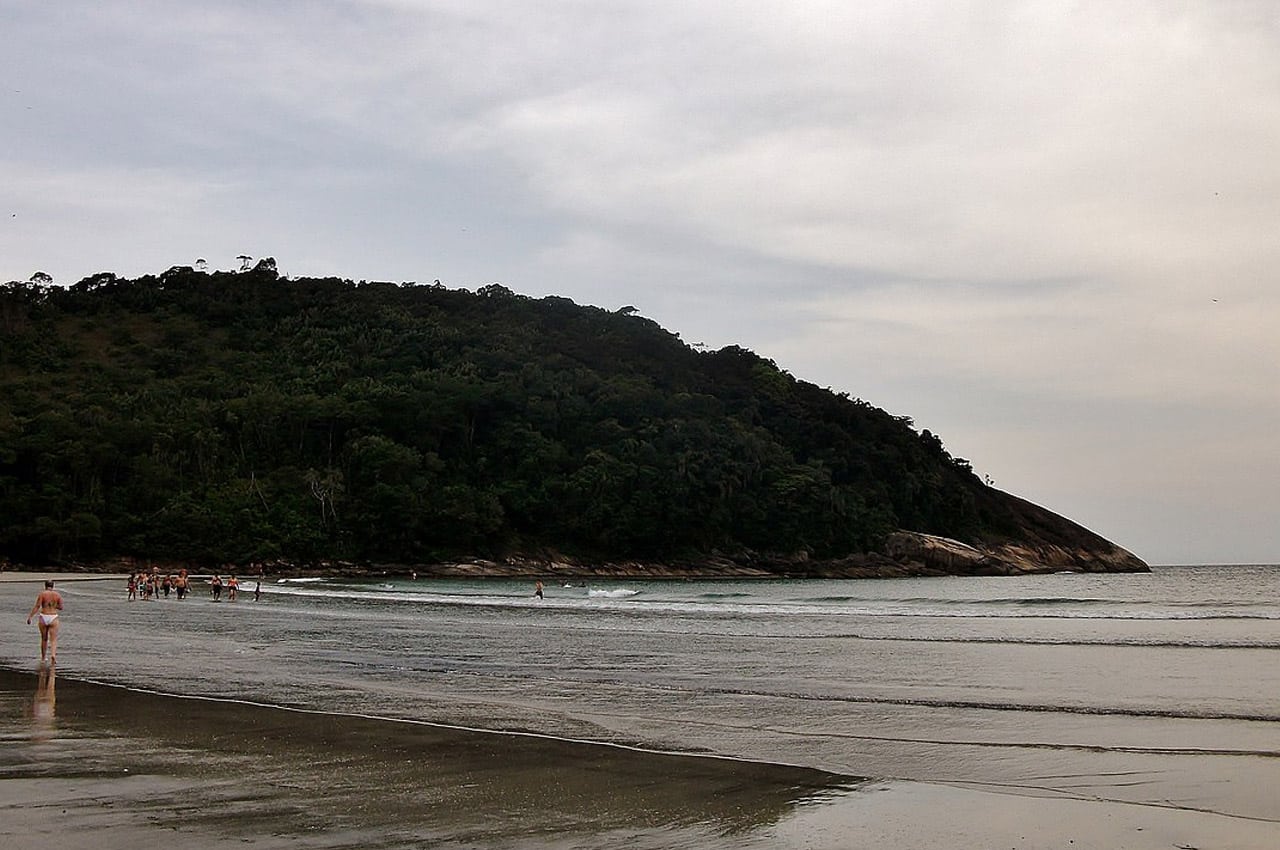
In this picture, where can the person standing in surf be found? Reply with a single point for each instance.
(537, 589)
(48, 606)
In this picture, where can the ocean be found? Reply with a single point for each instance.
(1135, 709)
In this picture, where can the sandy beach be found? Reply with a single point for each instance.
(91, 765)
(97, 767)
(87, 759)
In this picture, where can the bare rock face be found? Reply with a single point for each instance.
(1027, 558)
(935, 552)
(929, 553)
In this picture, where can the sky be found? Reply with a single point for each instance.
(1049, 232)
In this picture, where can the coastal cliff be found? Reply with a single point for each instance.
(237, 419)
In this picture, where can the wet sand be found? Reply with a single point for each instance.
(95, 758)
(99, 767)
(85, 765)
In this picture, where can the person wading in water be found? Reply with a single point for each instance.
(48, 606)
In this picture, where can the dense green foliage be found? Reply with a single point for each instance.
(230, 417)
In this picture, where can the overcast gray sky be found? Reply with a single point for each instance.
(1047, 231)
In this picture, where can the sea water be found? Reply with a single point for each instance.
(1156, 690)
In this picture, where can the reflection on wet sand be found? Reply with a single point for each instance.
(43, 704)
(251, 770)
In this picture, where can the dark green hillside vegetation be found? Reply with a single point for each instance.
(238, 417)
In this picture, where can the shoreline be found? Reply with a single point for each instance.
(299, 723)
(226, 771)
(102, 767)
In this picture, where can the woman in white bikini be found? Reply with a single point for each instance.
(48, 606)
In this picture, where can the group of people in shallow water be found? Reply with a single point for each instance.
(232, 587)
(153, 585)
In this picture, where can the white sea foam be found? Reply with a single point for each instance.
(766, 602)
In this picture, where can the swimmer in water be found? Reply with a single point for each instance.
(48, 606)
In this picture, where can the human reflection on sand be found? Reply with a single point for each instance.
(235, 770)
(43, 704)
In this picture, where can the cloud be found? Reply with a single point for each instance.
(1012, 148)
(1023, 223)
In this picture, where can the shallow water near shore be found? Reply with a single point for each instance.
(1145, 706)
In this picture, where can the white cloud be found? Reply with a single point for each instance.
(981, 215)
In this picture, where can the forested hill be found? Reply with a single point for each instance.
(235, 418)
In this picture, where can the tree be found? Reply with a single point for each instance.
(240, 415)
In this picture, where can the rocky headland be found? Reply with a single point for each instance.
(247, 422)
